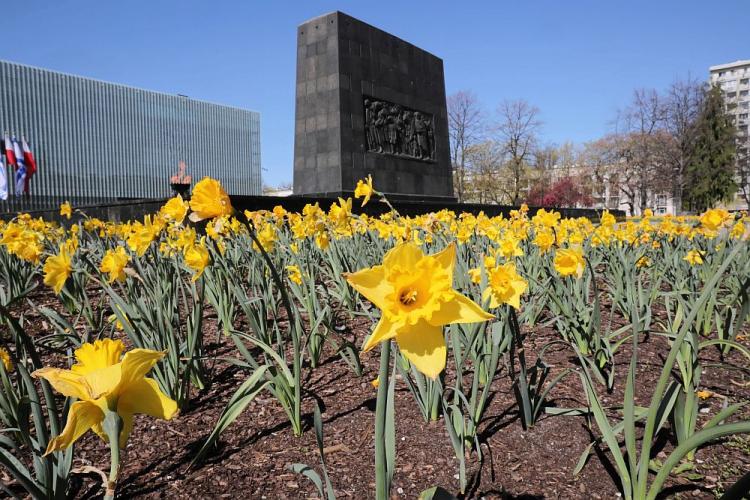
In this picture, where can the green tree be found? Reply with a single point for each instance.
(711, 170)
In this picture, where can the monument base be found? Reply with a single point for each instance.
(415, 198)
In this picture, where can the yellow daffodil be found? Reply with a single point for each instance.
(175, 209)
(66, 210)
(209, 200)
(5, 359)
(705, 394)
(267, 237)
(570, 261)
(114, 263)
(544, 241)
(57, 269)
(414, 292)
(546, 219)
(643, 262)
(340, 213)
(143, 235)
(694, 257)
(294, 274)
(322, 240)
(364, 188)
(476, 274)
(279, 213)
(714, 219)
(197, 258)
(103, 383)
(505, 286)
(607, 219)
(738, 230)
(509, 247)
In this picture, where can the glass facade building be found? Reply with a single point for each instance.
(94, 139)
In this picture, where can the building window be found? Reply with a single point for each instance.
(728, 85)
(731, 95)
(722, 73)
(745, 81)
(744, 93)
(661, 204)
(743, 116)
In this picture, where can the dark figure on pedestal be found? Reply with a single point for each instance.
(430, 124)
(369, 126)
(380, 127)
(420, 128)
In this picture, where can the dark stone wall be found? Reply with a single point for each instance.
(339, 61)
(114, 211)
(130, 210)
(405, 206)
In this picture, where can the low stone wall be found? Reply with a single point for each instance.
(404, 207)
(116, 211)
(125, 210)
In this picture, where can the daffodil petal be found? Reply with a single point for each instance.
(405, 255)
(424, 346)
(487, 294)
(144, 396)
(447, 259)
(102, 382)
(137, 363)
(384, 330)
(372, 284)
(458, 310)
(65, 382)
(82, 416)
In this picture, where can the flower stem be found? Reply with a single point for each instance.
(112, 426)
(382, 476)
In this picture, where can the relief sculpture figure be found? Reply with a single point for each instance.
(392, 129)
(380, 127)
(421, 130)
(369, 126)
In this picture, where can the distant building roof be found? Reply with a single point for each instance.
(730, 65)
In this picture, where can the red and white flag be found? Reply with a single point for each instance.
(9, 154)
(29, 161)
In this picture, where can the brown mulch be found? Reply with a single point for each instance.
(254, 454)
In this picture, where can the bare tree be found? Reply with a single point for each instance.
(546, 158)
(568, 158)
(608, 163)
(643, 147)
(484, 163)
(517, 130)
(466, 126)
(682, 104)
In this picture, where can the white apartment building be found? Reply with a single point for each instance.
(734, 80)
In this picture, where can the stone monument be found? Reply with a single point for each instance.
(368, 103)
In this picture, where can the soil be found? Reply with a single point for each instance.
(255, 452)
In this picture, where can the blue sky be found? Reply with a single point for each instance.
(578, 61)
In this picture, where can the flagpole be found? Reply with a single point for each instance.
(27, 182)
